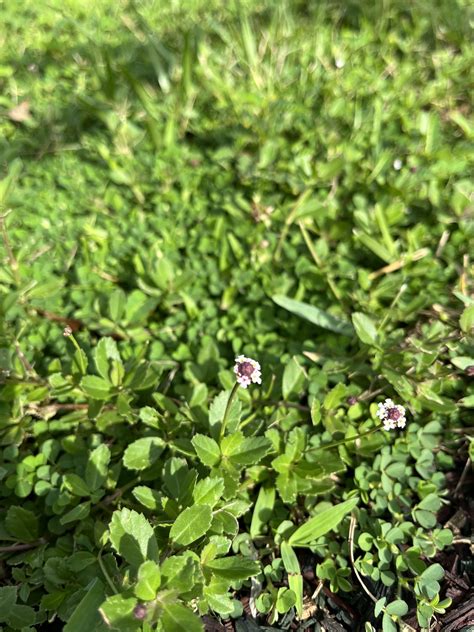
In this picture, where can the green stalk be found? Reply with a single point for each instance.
(79, 351)
(326, 446)
(227, 408)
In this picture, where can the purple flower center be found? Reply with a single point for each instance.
(245, 369)
(394, 414)
(139, 612)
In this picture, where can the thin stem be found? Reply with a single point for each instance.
(227, 408)
(79, 352)
(351, 553)
(14, 548)
(11, 256)
(326, 446)
(105, 573)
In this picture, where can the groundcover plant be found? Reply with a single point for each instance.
(236, 307)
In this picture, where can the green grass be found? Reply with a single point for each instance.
(182, 171)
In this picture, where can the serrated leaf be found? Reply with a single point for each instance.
(143, 453)
(148, 581)
(149, 498)
(132, 537)
(314, 315)
(207, 449)
(96, 387)
(117, 613)
(322, 523)
(22, 524)
(191, 524)
(7, 600)
(208, 491)
(240, 450)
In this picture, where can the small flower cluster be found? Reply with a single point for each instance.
(392, 415)
(247, 371)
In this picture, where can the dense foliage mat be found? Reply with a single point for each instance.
(185, 183)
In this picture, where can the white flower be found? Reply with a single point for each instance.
(339, 62)
(392, 415)
(247, 371)
(397, 164)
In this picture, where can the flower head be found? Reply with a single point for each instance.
(392, 415)
(247, 371)
(67, 331)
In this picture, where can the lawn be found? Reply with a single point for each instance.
(194, 195)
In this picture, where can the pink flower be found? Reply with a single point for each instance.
(247, 371)
(392, 415)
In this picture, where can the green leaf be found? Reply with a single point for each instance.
(21, 617)
(290, 561)
(434, 572)
(191, 524)
(178, 618)
(263, 510)
(105, 355)
(75, 484)
(97, 467)
(467, 319)
(208, 491)
(149, 580)
(295, 579)
(388, 624)
(399, 608)
(314, 315)
(234, 568)
(335, 396)
(117, 613)
(427, 519)
(379, 606)
(86, 614)
(117, 302)
(217, 410)
(316, 412)
(132, 537)
(207, 450)
(293, 378)
(365, 328)
(320, 524)
(96, 387)
(143, 453)
(7, 600)
(240, 450)
(149, 498)
(286, 599)
(21, 524)
(79, 512)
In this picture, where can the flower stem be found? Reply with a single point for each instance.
(326, 446)
(227, 408)
(79, 352)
